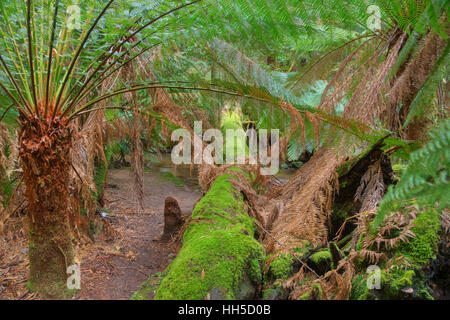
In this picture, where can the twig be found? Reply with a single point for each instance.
(341, 229)
(229, 219)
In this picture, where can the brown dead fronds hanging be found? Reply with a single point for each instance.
(8, 143)
(297, 123)
(89, 138)
(307, 199)
(367, 100)
(346, 67)
(362, 82)
(406, 85)
(9, 155)
(129, 73)
(348, 76)
(309, 194)
(321, 66)
(162, 100)
(85, 145)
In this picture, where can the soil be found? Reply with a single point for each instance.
(123, 255)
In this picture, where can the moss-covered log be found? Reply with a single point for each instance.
(220, 258)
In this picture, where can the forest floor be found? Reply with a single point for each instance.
(115, 265)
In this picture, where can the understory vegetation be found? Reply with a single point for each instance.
(357, 90)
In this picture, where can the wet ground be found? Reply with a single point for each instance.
(117, 269)
(124, 254)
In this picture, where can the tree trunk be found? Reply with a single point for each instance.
(172, 218)
(44, 154)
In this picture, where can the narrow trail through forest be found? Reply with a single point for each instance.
(116, 269)
(127, 251)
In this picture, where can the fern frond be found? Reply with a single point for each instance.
(426, 178)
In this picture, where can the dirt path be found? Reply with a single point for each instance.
(115, 269)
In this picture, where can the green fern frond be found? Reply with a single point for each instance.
(426, 179)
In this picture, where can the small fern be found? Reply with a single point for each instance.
(426, 178)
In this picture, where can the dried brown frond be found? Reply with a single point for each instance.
(89, 139)
(333, 285)
(371, 188)
(321, 66)
(347, 67)
(349, 75)
(307, 199)
(445, 221)
(162, 100)
(406, 85)
(8, 142)
(367, 100)
(396, 228)
(363, 82)
(88, 143)
(8, 165)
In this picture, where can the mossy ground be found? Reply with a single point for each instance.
(149, 287)
(169, 176)
(421, 249)
(398, 282)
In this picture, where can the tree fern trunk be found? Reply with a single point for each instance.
(45, 161)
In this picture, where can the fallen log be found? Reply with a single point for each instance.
(220, 258)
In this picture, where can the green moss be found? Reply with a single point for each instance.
(281, 267)
(219, 252)
(222, 256)
(56, 291)
(321, 256)
(304, 249)
(396, 280)
(404, 279)
(148, 288)
(169, 176)
(359, 243)
(423, 247)
(398, 283)
(315, 290)
(255, 271)
(359, 288)
(275, 292)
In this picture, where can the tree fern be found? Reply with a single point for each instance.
(428, 91)
(426, 178)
